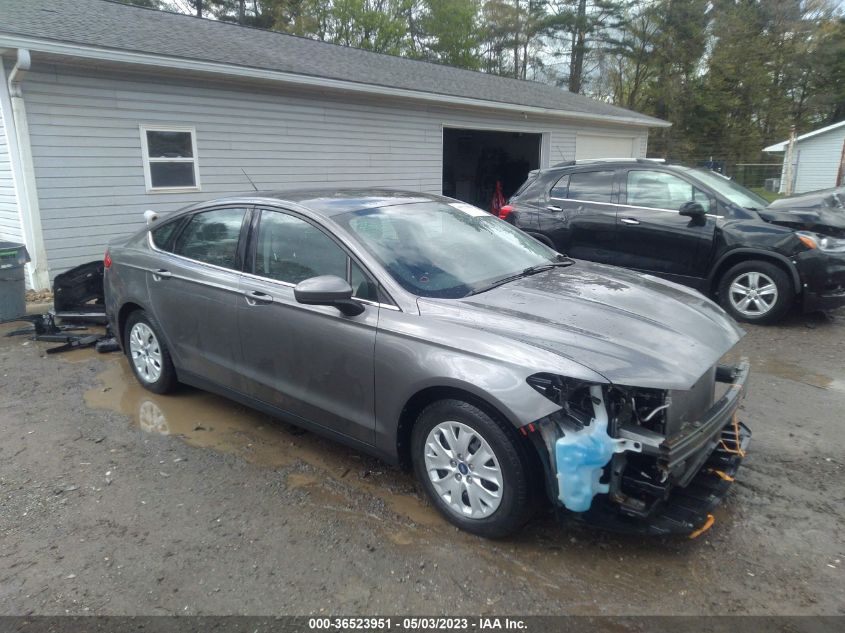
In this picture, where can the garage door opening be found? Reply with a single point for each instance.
(474, 160)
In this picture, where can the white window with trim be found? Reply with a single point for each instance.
(170, 158)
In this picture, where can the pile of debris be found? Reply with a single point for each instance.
(78, 302)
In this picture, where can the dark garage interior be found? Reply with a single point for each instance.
(474, 160)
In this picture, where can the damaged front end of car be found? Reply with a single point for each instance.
(640, 459)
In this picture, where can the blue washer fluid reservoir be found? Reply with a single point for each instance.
(581, 455)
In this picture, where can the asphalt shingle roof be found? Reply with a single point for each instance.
(111, 25)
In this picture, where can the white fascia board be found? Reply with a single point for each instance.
(178, 63)
(779, 147)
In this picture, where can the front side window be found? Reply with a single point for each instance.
(435, 249)
(170, 158)
(591, 186)
(290, 249)
(659, 190)
(212, 237)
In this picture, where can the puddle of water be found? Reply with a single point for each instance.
(209, 421)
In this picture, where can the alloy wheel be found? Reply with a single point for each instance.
(753, 294)
(145, 351)
(464, 470)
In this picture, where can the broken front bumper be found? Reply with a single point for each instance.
(700, 464)
(696, 466)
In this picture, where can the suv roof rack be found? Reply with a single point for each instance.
(587, 161)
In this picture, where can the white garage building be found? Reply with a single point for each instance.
(107, 110)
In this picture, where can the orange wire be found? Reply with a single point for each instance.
(707, 525)
(738, 450)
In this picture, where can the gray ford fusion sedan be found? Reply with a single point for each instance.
(440, 338)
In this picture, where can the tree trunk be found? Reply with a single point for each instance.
(576, 61)
(199, 8)
(241, 11)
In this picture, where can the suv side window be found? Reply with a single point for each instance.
(657, 189)
(591, 186)
(560, 188)
(212, 237)
(290, 249)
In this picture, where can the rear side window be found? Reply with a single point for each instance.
(163, 235)
(212, 237)
(561, 188)
(591, 186)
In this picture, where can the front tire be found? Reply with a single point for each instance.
(756, 291)
(148, 355)
(474, 468)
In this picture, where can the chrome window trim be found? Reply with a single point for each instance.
(278, 282)
(628, 206)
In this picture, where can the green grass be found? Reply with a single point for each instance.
(770, 196)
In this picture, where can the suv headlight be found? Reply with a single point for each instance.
(821, 242)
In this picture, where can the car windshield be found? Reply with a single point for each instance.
(737, 194)
(444, 250)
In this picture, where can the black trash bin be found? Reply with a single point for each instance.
(13, 257)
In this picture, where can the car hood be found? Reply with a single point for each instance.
(822, 211)
(632, 329)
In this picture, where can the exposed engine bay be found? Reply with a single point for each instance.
(629, 450)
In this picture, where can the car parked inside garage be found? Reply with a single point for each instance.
(434, 335)
(692, 226)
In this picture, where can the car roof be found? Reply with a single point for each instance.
(325, 202)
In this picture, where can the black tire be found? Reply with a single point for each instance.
(166, 380)
(731, 300)
(518, 471)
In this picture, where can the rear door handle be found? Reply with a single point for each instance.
(552, 207)
(161, 273)
(629, 221)
(255, 297)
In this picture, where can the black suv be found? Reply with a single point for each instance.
(692, 226)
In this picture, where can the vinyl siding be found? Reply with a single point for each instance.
(10, 220)
(84, 130)
(818, 162)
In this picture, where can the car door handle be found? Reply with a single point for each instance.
(255, 297)
(629, 221)
(161, 273)
(552, 207)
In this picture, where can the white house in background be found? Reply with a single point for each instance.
(107, 110)
(816, 159)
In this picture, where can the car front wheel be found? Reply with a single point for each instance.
(148, 354)
(756, 292)
(474, 468)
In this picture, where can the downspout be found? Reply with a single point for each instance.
(24, 175)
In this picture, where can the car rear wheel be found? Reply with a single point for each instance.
(474, 468)
(148, 355)
(756, 292)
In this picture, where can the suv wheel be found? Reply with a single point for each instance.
(148, 355)
(473, 468)
(756, 292)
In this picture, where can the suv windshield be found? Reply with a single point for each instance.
(435, 249)
(737, 194)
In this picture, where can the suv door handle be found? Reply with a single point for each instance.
(552, 207)
(629, 221)
(255, 297)
(161, 273)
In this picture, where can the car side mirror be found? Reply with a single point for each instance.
(692, 210)
(327, 290)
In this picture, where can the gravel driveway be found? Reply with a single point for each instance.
(116, 501)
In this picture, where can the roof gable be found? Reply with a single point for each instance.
(780, 147)
(118, 27)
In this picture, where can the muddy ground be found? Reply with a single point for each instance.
(116, 501)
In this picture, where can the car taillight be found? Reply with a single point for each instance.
(505, 211)
(107, 260)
